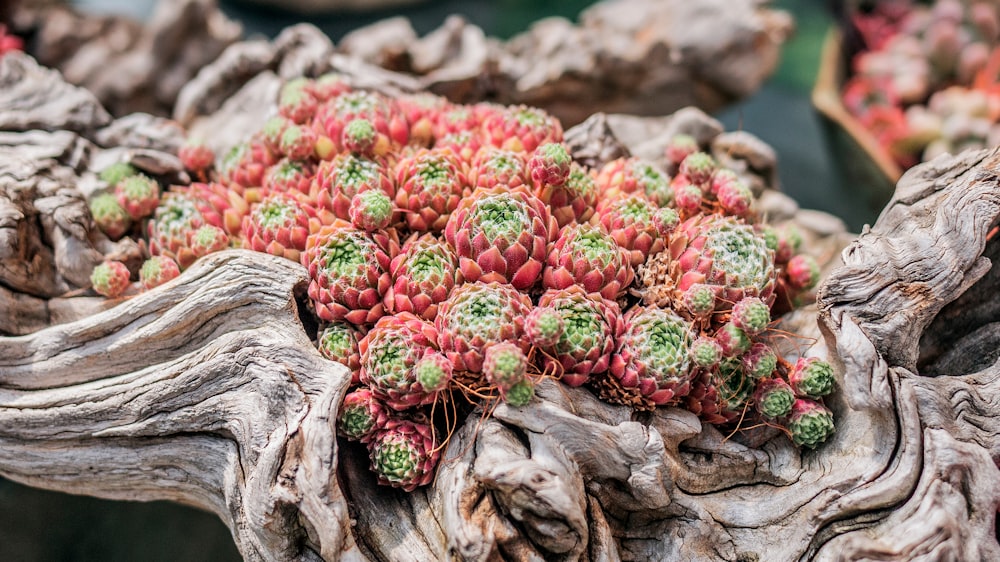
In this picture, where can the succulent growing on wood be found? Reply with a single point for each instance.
(504, 365)
(138, 195)
(404, 454)
(361, 415)
(574, 200)
(720, 251)
(544, 326)
(478, 315)
(585, 255)
(371, 210)
(157, 270)
(810, 423)
(208, 239)
(501, 234)
(110, 278)
(773, 398)
(423, 275)
(337, 182)
(493, 166)
(117, 172)
(433, 371)
(521, 129)
(279, 225)
(349, 274)
(591, 328)
(654, 354)
(430, 184)
(196, 156)
(630, 219)
(390, 351)
(339, 342)
(110, 216)
(811, 378)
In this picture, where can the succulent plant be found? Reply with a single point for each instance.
(591, 328)
(109, 216)
(585, 255)
(544, 326)
(334, 115)
(172, 224)
(423, 275)
(296, 101)
(196, 156)
(810, 423)
(752, 315)
(688, 197)
(246, 163)
(520, 394)
(501, 235)
(679, 147)
(654, 354)
(421, 111)
(361, 415)
(433, 371)
(348, 274)
(360, 137)
(339, 342)
(478, 315)
(811, 377)
(157, 270)
(117, 172)
(337, 182)
(138, 195)
(803, 272)
(492, 166)
(706, 352)
(715, 250)
(220, 205)
(430, 186)
(634, 175)
(734, 388)
(698, 167)
(456, 119)
(505, 365)
(733, 340)
(297, 143)
(208, 239)
(734, 197)
(759, 361)
(371, 210)
(698, 300)
(574, 200)
(773, 398)
(288, 176)
(549, 164)
(404, 454)
(389, 353)
(279, 226)
(630, 221)
(110, 278)
(464, 144)
(328, 86)
(521, 128)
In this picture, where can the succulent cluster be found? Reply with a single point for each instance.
(460, 251)
(928, 78)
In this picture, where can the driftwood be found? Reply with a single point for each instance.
(208, 391)
(647, 57)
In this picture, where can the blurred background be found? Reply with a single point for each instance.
(37, 525)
